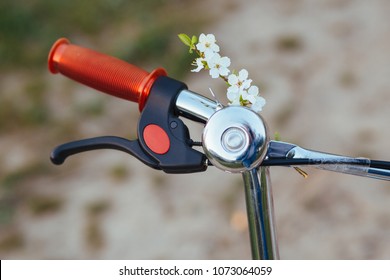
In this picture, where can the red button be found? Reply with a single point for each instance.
(156, 139)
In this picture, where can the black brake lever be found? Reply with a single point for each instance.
(60, 153)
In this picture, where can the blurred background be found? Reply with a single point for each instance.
(323, 67)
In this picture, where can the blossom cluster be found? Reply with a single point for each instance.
(240, 91)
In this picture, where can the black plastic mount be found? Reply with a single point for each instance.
(160, 110)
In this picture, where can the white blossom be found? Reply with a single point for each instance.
(199, 63)
(240, 91)
(207, 44)
(234, 96)
(218, 66)
(251, 94)
(258, 105)
(239, 82)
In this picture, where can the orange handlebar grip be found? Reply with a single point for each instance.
(102, 72)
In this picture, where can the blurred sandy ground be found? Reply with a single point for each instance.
(323, 67)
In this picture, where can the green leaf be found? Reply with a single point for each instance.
(185, 39)
(277, 136)
(194, 40)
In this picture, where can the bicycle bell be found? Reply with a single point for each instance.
(235, 139)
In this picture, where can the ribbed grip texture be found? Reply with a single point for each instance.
(102, 72)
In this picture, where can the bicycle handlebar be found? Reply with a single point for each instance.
(124, 80)
(102, 72)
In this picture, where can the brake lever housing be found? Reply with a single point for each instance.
(163, 139)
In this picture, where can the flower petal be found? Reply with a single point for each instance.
(233, 95)
(232, 79)
(251, 98)
(246, 84)
(223, 71)
(259, 104)
(233, 88)
(253, 90)
(243, 74)
(214, 73)
(225, 61)
(210, 38)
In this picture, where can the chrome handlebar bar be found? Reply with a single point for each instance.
(238, 128)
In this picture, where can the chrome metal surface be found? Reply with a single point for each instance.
(260, 211)
(378, 173)
(326, 161)
(235, 139)
(194, 106)
(322, 158)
